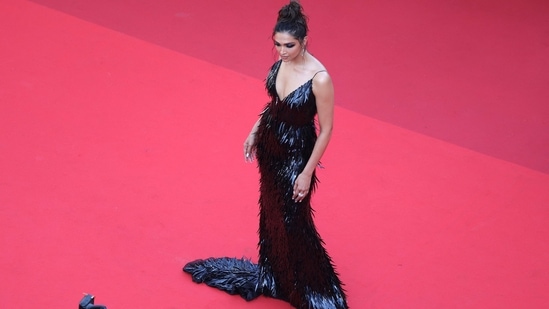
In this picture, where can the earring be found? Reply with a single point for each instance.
(303, 52)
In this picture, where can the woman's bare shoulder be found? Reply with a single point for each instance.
(315, 65)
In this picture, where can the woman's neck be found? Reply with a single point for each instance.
(299, 62)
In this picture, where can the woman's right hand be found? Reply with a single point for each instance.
(249, 145)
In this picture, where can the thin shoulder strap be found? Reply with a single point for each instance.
(317, 73)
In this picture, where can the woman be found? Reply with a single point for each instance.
(293, 264)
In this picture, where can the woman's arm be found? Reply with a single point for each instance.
(323, 90)
(249, 143)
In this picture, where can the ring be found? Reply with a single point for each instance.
(300, 194)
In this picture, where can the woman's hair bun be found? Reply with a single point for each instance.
(292, 20)
(290, 12)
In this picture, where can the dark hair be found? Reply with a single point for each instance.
(292, 20)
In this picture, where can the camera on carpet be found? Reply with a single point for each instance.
(87, 302)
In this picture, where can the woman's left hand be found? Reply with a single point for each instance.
(301, 187)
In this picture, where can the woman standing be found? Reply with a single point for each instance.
(293, 264)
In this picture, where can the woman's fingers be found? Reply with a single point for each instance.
(247, 152)
(299, 194)
(248, 156)
(301, 188)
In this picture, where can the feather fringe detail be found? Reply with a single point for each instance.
(243, 277)
(335, 300)
(234, 276)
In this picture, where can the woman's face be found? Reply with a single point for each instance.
(287, 46)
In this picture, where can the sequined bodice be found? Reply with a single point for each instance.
(298, 108)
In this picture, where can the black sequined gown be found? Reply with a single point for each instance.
(293, 264)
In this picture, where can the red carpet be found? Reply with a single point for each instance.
(120, 150)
